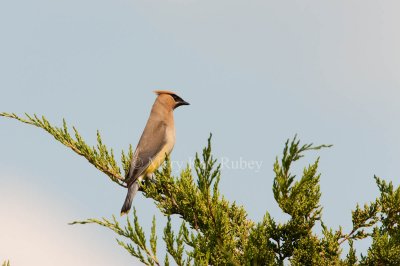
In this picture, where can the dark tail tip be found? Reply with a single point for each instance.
(127, 204)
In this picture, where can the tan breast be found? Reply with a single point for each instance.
(160, 157)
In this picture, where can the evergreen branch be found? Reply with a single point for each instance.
(351, 258)
(389, 203)
(362, 219)
(217, 232)
(166, 260)
(220, 224)
(299, 199)
(366, 217)
(99, 156)
(153, 237)
(174, 244)
(133, 232)
(207, 176)
(293, 197)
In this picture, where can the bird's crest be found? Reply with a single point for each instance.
(159, 92)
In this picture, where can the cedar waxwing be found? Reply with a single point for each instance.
(157, 141)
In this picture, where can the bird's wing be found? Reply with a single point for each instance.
(150, 144)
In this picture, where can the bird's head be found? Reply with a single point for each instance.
(171, 98)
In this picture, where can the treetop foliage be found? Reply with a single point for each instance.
(215, 231)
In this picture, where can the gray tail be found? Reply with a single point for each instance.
(132, 190)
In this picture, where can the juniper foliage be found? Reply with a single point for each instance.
(215, 231)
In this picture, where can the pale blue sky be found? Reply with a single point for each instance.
(255, 73)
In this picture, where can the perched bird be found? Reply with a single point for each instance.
(157, 141)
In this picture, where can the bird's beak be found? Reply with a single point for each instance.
(184, 103)
(180, 103)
